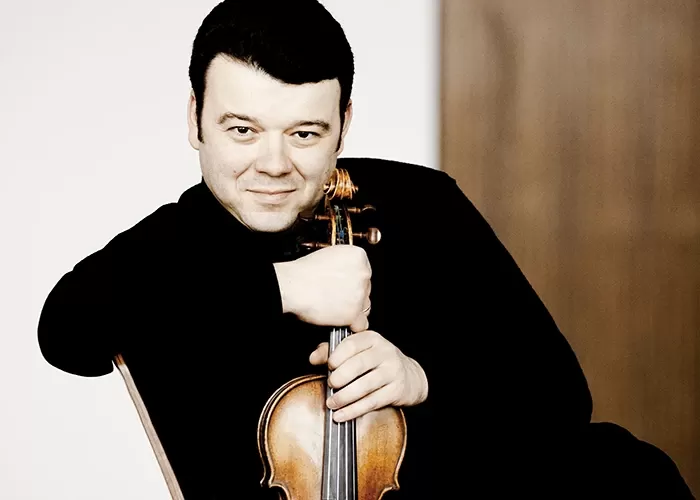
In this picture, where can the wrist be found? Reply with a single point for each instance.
(284, 284)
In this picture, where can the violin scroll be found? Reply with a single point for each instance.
(339, 186)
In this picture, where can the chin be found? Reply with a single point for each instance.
(270, 223)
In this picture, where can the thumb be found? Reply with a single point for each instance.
(320, 355)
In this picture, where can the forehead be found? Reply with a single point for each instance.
(232, 86)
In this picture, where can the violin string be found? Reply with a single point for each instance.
(348, 464)
(344, 445)
(329, 430)
(353, 456)
(346, 471)
(337, 442)
(345, 442)
(336, 426)
(340, 445)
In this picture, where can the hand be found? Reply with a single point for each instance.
(329, 287)
(385, 376)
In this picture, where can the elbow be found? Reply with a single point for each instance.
(65, 341)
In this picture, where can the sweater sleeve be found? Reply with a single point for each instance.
(536, 374)
(112, 298)
(487, 339)
(78, 320)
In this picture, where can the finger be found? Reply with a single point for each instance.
(377, 400)
(360, 324)
(353, 368)
(320, 354)
(352, 345)
(367, 308)
(368, 299)
(363, 386)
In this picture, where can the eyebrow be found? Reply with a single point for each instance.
(304, 123)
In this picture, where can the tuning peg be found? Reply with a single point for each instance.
(315, 244)
(373, 235)
(357, 210)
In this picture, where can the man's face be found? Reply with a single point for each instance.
(268, 147)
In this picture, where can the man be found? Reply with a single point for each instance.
(214, 306)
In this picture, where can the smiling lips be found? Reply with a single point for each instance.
(272, 195)
(271, 191)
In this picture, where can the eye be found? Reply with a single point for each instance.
(240, 130)
(305, 134)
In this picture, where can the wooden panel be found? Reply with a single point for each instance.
(573, 126)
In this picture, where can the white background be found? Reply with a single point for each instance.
(92, 139)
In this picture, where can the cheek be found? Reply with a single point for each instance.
(227, 161)
(315, 166)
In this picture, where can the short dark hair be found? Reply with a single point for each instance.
(294, 42)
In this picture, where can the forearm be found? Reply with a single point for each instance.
(120, 298)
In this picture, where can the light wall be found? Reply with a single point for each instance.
(93, 139)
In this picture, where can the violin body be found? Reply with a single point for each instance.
(291, 440)
(306, 455)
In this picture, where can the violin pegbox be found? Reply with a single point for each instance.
(337, 224)
(371, 235)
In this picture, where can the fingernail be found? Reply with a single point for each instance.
(330, 403)
(339, 416)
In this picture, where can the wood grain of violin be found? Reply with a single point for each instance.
(306, 455)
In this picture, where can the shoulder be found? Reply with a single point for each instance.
(380, 171)
(415, 193)
(162, 223)
(394, 180)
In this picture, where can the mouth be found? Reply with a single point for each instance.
(271, 195)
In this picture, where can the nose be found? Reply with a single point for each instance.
(273, 159)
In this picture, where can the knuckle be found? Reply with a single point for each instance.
(393, 369)
(398, 392)
(335, 381)
(351, 346)
(339, 399)
(356, 253)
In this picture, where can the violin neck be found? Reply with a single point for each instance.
(339, 452)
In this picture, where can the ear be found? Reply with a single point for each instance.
(346, 127)
(193, 134)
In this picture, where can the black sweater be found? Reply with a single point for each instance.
(189, 297)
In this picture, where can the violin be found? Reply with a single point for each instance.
(306, 455)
